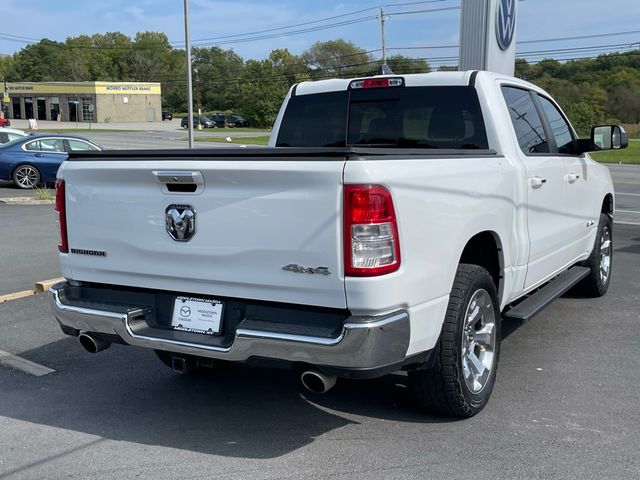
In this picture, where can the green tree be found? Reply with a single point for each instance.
(77, 54)
(624, 104)
(218, 71)
(263, 84)
(401, 64)
(336, 58)
(6, 65)
(39, 62)
(109, 57)
(149, 57)
(582, 117)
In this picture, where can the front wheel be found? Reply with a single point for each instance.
(466, 358)
(26, 177)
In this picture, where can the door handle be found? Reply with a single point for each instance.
(572, 177)
(38, 154)
(537, 182)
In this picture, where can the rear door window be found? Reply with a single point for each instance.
(46, 145)
(405, 117)
(526, 121)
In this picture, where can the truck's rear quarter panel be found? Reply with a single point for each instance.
(440, 202)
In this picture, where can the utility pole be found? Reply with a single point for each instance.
(384, 47)
(187, 43)
(198, 106)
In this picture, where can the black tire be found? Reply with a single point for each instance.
(444, 388)
(600, 262)
(26, 176)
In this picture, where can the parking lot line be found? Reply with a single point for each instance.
(631, 194)
(27, 366)
(627, 211)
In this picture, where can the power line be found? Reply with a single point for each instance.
(522, 42)
(321, 20)
(579, 37)
(246, 39)
(392, 14)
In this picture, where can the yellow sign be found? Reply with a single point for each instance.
(128, 88)
(6, 99)
(80, 88)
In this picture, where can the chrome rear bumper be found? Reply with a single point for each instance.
(364, 342)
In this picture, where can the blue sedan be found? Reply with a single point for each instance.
(34, 160)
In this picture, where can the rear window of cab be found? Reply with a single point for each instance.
(446, 117)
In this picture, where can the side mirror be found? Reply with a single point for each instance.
(609, 137)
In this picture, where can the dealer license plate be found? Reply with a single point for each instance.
(197, 315)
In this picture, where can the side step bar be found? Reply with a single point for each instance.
(536, 302)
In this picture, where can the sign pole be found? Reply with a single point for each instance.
(488, 35)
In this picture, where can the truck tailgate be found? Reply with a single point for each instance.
(252, 218)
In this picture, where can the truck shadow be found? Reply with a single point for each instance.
(126, 394)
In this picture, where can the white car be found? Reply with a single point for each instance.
(392, 224)
(8, 134)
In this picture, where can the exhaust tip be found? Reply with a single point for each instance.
(317, 382)
(92, 344)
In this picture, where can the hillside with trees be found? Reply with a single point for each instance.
(591, 91)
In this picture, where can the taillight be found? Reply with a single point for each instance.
(60, 209)
(371, 244)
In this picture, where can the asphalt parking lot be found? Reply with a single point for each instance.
(566, 403)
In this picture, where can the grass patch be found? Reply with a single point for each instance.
(42, 193)
(629, 155)
(261, 140)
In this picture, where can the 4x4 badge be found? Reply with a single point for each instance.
(292, 267)
(180, 222)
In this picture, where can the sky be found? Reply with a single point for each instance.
(410, 24)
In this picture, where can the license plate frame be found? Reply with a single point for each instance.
(197, 315)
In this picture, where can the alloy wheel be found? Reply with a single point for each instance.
(605, 254)
(27, 176)
(478, 341)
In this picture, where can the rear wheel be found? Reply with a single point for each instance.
(599, 262)
(26, 177)
(464, 371)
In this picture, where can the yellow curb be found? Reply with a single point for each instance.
(16, 295)
(45, 285)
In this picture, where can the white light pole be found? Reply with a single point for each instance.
(187, 43)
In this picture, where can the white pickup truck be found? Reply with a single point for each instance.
(392, 223)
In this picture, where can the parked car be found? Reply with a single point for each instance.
(219, 119)
(10, 134)
(166, 115)
(197, 120)
(236, 121)
(5, 122)
(33, 160)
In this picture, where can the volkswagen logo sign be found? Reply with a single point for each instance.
(505, 23)
(180, 222)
